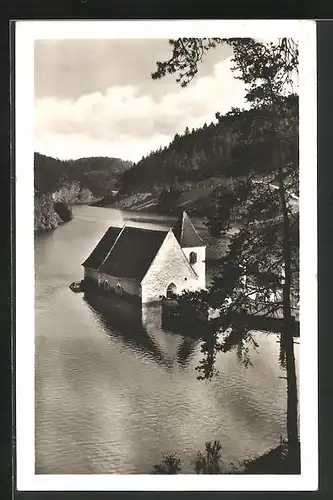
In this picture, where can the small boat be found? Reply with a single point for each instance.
(76, 286)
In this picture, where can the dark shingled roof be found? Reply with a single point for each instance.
(186, 233)
(133, 253)
(101, 250)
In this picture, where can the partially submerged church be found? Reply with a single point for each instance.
(147, 263)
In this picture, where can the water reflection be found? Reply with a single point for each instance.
(143, 327)
(117, 389)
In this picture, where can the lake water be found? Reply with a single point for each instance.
(113, 399)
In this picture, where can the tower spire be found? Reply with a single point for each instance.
(186, 233)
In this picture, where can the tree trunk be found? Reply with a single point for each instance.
(292, 406)
(287, 341)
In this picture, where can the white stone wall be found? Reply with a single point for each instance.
(200, 266)
(169, 265)
(129, 286)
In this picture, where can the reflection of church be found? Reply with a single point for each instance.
(142, 327)
(148, 264)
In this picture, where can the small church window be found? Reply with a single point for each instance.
(171, 291)
(119, 289)
(193, 258)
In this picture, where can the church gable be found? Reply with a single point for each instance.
(170, 266)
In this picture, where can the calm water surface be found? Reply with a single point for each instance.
(113, 399)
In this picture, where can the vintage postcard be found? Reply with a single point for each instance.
(166, 260)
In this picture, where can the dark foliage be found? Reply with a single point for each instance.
(210, 461)
(274, 461)
(188, 53)
(99, 175)
(207, 462)
(63, 210)
(168, 198)
(170, 465)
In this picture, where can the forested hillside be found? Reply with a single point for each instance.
(99, 175)
(191, 173)
(62, 182)
(202, 160)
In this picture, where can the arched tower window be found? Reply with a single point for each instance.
(119, 289)
(193, 258)
(171, 291)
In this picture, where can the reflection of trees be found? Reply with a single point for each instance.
(185, 350)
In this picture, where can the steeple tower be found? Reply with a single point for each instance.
(192, 245)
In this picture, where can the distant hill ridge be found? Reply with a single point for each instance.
(59, 183)
(98, 174)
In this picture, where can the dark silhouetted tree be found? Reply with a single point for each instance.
(260, 271)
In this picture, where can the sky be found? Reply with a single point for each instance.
(97, 97)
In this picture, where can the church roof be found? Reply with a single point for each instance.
(130, 254)
(102, 248)
(186, 233)
(133, 253)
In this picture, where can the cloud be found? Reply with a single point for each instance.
(72, 68)
(125, 122)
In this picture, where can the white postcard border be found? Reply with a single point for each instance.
(26, 33)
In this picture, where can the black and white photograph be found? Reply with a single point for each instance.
(166, 255)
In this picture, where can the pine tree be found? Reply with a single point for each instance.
(260, 271)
